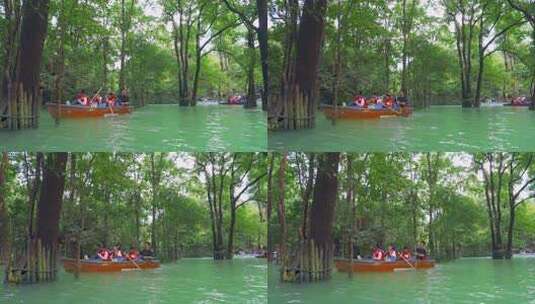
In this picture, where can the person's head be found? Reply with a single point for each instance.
(82, 91)
(147, 246)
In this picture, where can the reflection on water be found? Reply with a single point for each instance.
(470, 281)
(440, 128)
(187, 281)
(152, 128)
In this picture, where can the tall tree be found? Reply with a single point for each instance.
(51, 199)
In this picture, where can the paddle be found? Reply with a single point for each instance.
(111, 110)
(404, 259)
(133, 262)
(93, 98)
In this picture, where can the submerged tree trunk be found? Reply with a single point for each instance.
(296, 106)
(23, 91)
(314, 258)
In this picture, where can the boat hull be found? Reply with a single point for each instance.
(105, 266)
(356, 113)
(70, 111)
(380, 266)
(517, 105)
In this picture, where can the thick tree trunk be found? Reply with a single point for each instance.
(34, 28)
(296, 107)
(51, 199)
(314, 258)
(262, 32)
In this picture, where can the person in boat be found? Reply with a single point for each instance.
(421, 252)
(133, 254)
(104, 254)
(379, 104)
(360, 100)
(111, 99)
(123, 96)
(389, 101)
(96, 101)
(147, 251)
(81, 98)
(405, 253)
(378, 254)
(117, 254)
(391, 254)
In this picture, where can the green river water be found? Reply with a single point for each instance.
(468, 281)
(151, 128)
(439, 128)
(187, 281)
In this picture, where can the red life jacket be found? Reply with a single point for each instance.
(133, 254)
(378, 254)
(104, 254)
(406, 254)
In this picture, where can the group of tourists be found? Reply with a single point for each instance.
(392, 255)
(98, 101)
(520, 100)
(116, 254)
(379, 102)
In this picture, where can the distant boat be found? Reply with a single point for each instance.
(107, 266)
(369, 265)
(78, 111)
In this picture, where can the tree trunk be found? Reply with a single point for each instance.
(4, 217)
(51, 198)
(283, 246)
(122, 54)
(314, 258)
(33, 35)
(251, 87)
(296, 106)
(262, 9)
(269, 208)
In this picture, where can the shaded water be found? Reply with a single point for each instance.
(440, 128)
(469, 281)
(151, 128)
(187, 281)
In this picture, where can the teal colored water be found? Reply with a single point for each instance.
(187, 281)
(151, 128)
(439, 128)
(468, 281)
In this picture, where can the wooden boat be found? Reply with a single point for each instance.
(360, 113)
(343, 265)
(525, 104)
(77, 111)
(107, 266)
